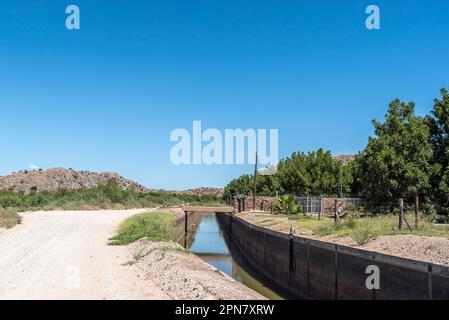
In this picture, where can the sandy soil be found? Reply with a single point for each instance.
(266, 220)
(64, 255)
(182, 275)
(430, 249)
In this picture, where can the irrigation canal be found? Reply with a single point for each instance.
(209, 244)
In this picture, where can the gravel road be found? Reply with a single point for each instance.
(64, 255)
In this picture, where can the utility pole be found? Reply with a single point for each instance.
(341, 180)
(255, 184)
(416, 211)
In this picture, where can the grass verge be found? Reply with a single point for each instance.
(363, 230)
(9, 218)
(156, 226)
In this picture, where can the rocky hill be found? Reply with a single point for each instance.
(345, 158)
(53, 179)
(203, 191)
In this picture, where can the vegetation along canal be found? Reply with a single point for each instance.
(210, 245)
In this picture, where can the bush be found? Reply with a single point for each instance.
(324, 229)
(108, 196)
(153, 225)
(350, 222)
(364, 233)
(287, 205)
(9, 218)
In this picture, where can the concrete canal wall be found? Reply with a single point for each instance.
(321, 270)
(179, 228)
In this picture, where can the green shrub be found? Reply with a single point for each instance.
(106, 196)
(287, 205)
(324, 229)
(9, 218)
(153, 225)
(364, 233)
(350, 222)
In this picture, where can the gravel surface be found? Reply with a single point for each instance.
(182, 275)
(430, 249)
(64, 255)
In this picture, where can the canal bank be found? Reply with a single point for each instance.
(321, 270)
(209, 243)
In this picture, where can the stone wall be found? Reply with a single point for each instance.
(246, 204)
(329, 204)
(264, 204)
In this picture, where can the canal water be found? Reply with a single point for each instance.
(210, 245)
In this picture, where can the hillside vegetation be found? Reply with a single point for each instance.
(60, 178)
(105, 196)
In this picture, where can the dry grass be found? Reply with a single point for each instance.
(155, 226)
(9, 218)
(363, 230)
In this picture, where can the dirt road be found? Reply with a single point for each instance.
(64, 255)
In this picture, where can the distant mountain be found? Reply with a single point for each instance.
(203, 191)
(345, 158)
(56, 178)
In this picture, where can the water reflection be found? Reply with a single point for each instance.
(210, 245)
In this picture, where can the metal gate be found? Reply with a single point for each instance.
(311, 204)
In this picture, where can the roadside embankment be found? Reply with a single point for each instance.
(182, 275)
(64, 255)
(154, 238)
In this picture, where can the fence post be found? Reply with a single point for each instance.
(307, 204)
(291, 261)
(401, 212)
(321, 207)
(335, 211)
(416, 211)
(185, 229)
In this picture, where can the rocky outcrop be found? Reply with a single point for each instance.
(246, 204)
(204, 191)
(61, 178)
(345, 158)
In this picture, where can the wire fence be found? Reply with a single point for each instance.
(357, 206)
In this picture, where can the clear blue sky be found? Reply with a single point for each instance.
(106, 97)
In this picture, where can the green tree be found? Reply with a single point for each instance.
(287, 205)
(439, 137)
(293, 175)
(241, 185)
(313, 173)
(396, 162)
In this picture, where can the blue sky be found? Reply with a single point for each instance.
(106, 97)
